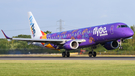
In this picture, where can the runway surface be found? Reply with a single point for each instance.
(61, 58)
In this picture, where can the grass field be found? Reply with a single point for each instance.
(67, 68)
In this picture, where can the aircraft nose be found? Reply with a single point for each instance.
(130, 33)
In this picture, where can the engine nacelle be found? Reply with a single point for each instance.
(70, 45)
(111, 45)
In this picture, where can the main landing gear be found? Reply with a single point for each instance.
(92, 53)
(66, 54)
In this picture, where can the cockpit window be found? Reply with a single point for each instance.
(121, 26)
(124, 26)
(118, 26)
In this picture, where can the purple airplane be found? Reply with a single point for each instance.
(106, 35)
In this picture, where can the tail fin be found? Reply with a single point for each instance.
(35, 30)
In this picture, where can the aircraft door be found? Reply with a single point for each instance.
(112, 30)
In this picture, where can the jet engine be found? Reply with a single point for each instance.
(111, 45)
(71, 45)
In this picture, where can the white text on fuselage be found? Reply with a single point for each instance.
(100, 31)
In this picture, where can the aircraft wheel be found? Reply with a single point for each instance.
(68, 54)
(120, 47)
(94, 54)
(63, 54)
(90, 54)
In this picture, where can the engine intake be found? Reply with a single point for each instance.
(111, 45)
(71, 45)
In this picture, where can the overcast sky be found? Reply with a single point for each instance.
(75, 14)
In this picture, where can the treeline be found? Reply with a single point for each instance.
(21, 47)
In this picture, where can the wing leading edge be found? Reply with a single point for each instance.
(54, 41)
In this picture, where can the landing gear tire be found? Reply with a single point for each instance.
(68, 54)
(92, 54)
(120, 47)
(63, 54)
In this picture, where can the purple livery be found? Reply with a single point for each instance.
(106, 35)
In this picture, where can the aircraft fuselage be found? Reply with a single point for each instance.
(94, 35)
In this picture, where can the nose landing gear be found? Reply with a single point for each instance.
(120, 42)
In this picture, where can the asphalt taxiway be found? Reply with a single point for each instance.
(66, 58)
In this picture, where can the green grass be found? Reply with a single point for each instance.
(67, 68)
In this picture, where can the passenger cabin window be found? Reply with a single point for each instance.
(121, 26)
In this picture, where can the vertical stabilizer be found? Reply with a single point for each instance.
(35, 30)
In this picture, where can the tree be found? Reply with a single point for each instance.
(47, 32)
(133, 28)
(22, 36)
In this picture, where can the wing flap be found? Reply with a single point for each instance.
(39, 40)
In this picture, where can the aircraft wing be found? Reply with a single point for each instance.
(54, 41)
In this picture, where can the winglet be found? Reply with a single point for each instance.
(5, 35)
